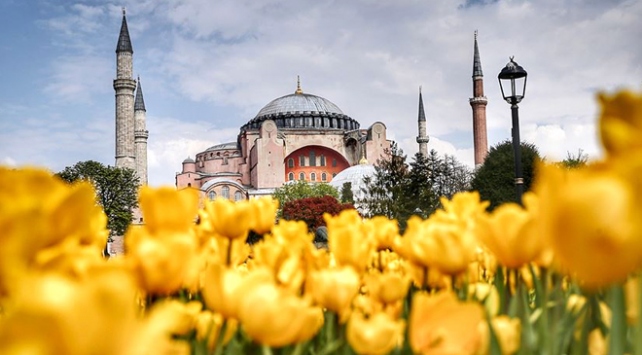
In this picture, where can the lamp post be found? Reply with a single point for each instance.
(514, 77)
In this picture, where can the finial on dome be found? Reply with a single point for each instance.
(363, 161)
(298, 86)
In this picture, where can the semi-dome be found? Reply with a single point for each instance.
(302, 111)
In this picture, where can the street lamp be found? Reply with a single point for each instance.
(514, 76)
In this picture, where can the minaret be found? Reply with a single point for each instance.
(478, 103)
(140, 135)
(124, 85)
(422, 138)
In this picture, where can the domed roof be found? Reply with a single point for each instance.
(299, 103)
(302, 111)
(188, 160)
(354, 175)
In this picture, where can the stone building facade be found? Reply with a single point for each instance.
(299, 136)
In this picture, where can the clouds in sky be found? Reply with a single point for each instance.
(208, 67)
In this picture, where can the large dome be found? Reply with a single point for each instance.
(299, 103)
(302, 111)
(354, 175)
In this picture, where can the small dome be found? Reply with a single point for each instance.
(188, 160)
(353, 175)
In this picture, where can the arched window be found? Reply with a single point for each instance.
(212, 195)
(291, 177)
(324, 177)
(313, 159)
(238, 195)
(313, 177)
(334, 162)
(322, 160)
(334, 174)
(290, 163)
(226, 192)
(301, 160)
(301, 176)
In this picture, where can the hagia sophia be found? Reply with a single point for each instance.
(298, 136)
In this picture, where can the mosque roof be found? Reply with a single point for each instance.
(124, 42)
(354, 175)
(300, 107)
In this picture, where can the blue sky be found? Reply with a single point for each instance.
(207, 67)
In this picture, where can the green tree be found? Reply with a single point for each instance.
(495, 178)
(399, 190)
(386, 193)
(346, 193)
(116, 190)
(573, 161)
(301, 189)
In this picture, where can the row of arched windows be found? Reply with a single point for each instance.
(311, 160)
(313, 176)
(225, 193)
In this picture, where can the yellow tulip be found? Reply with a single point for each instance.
(209, 325)
(440, 324)
(383, 231)
(348, 239)
(52, 314)
(264, 214)
(166, 210)
(590, 222)
(162, 265)
(223, 287)
(335, 289)
(511, 233)
(377, 334)
(387, 287)
(438, 242)
(620, 123)
(230, 219)
(274, 317)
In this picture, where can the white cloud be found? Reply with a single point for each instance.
(368, 57)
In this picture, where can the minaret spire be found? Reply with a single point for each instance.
(139, 102)
(140, 135)
(478, 103)
(477, 68)
(124, 42)
(422, 138)
(124, 87)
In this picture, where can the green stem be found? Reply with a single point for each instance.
(617, 334)
(266, 350)
(218, 350)
(638, 332)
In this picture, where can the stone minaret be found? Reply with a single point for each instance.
(478, 103)
(124, 85)
(422, 138)
(140, 135)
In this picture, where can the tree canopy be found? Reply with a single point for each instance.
(116, 190)
(399, 190)
(301, 189)
(495, 178)
(311, 210)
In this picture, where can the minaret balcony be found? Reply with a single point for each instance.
(478, 100)
(423, 139)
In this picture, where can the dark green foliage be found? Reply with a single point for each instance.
(495, 179)
(399, 190)
(116, 190)
(575, 161)
(346, 193)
